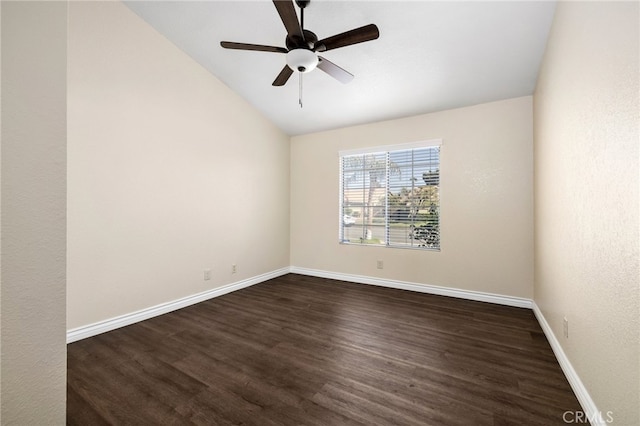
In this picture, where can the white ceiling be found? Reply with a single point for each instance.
(430, 56)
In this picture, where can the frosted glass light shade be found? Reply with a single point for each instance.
(302, 60)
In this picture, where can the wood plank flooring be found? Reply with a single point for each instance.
(299, 350)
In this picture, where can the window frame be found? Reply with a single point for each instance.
(387, 150)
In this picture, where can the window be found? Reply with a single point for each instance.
(390, 196)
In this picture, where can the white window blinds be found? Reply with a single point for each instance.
(391, 198)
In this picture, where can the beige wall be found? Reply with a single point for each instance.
(34, 38)
(586, 191)
(170, 173)
(0, 215)
(486, 196)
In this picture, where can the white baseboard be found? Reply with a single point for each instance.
(90, 330)
(588, 406)
(578, 387)
(519, 302)
(94, 329)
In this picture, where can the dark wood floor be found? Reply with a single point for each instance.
(298, 350)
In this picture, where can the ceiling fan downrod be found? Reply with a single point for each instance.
(302, 4)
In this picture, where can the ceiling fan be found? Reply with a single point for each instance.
(302, 45)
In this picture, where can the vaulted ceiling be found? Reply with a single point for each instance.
(430, 55)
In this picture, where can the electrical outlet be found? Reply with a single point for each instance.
(207, 274)
(380, 264)
(234, 268)
(565, 327)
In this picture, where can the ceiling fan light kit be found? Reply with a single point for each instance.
(302, 60)
(302, 45)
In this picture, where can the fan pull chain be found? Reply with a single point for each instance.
(300, 90)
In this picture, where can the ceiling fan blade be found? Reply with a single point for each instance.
(247, 46)
(358, 35)
(334, 71)
(284, 75)
(287, 13)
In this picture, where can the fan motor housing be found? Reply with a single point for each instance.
(294, 42)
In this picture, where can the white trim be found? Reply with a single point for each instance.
(589, 407)
(90, 330)
(387, 148)
(94, 329)
(519, 302)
